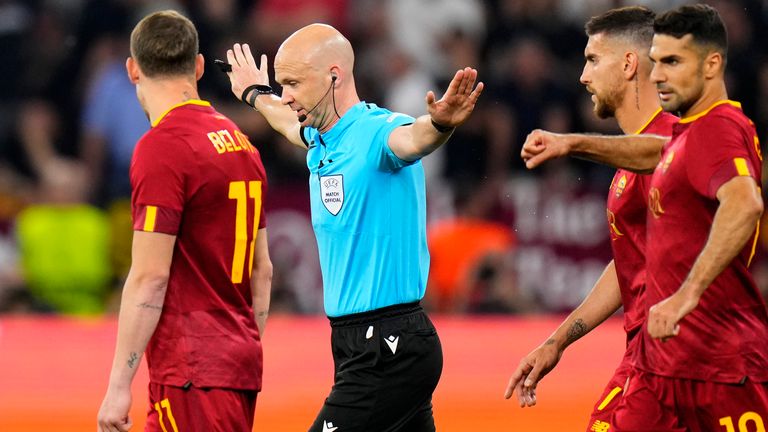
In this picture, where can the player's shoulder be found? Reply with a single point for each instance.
(662, 124)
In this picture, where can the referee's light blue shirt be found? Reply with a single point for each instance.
(368, 213)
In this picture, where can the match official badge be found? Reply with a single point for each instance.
(332, 192)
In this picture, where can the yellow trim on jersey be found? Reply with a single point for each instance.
(609, 398)
(706, 111)
(149, 219)
(653, 117)
(741, 166)
(189, 102)
(754, 243)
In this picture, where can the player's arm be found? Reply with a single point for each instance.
(734, 224)
(637, 153)
(602, 302)
(432, 130)
(261, 281)
(140, 310)
(245, 73)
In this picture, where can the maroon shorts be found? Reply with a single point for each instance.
(600, 420)
(656, 403)
(174, 409)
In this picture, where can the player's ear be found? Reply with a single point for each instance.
(199, 67)
(631, 65)
(133, 70)
(713, 64)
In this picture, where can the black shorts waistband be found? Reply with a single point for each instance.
(375, 315)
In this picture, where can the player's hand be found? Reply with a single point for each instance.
(459, 100)
(531, 370)
(244, 70)
(113, 414)
(664, 317)
(541, 146)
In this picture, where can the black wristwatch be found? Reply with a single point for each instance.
(259, 89)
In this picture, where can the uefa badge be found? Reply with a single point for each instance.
(332, 192)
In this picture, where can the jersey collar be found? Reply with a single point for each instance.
(650, 120)
(695, 117)
(188, 102)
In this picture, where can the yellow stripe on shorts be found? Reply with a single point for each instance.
(609, 398)
(741, 166)
(149, 219)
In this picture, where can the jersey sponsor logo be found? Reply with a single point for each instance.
(654, 203)
(332, 192)
(620, 186)
(600, 426)
(392, 342)
(328, 426)
(756, 141)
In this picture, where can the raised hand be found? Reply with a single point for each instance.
(244, 70)
(459, 100)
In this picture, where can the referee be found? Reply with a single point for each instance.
(368, 205)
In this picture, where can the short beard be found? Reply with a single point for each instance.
(606, 107)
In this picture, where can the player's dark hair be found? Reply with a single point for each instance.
(632, 22)
(701, 21)
(165, 44)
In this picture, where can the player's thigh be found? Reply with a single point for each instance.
(647, 405)
(726, 407)
(175, 409)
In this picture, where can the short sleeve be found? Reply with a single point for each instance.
(158, 183)
(721, 151)
(386, 123)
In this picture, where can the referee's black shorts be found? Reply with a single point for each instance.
(387, 364)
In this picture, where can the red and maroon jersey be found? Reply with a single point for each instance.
(627, 210)
(724, 338)
(196, 176)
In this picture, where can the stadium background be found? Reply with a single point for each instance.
(531, 243)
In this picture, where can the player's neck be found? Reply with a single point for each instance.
(639, 105)
(712, 94)
(162, 95)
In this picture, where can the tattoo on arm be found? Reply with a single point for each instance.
(577, 330)
(132, 360)
(146, 305)
(549, 342)
(262, 314)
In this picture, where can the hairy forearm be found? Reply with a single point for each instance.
(637, 153)
(735, 223)
(140, 310)
(280, 117)
(602, 302)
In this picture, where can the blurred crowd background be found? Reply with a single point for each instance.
(503, 239)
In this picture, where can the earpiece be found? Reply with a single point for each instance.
(333, 78)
